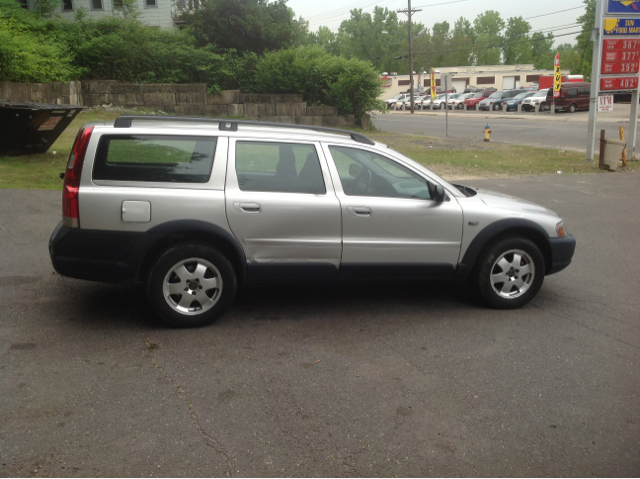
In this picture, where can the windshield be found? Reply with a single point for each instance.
(497, 94)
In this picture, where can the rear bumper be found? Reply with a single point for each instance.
(111, 257)
(562, 250)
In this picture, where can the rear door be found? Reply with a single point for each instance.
(282, 208)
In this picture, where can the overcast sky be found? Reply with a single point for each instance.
(332, 12)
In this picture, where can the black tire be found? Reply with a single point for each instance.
(543, 106)
(520, 289)
(212, 266)
(572, 108)
(497, 107)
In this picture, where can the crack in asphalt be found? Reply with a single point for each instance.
(210, 441)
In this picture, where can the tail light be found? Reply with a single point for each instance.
(70, 208)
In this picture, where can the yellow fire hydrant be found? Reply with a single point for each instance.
(487, 132)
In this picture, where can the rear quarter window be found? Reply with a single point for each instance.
(151, 158)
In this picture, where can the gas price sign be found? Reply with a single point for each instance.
(619, 83)
(620, 56)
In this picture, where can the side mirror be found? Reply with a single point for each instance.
(439, 195)
(354, 170)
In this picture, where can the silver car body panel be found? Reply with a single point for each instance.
(277, 227)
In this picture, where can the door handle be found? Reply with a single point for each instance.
(359, 211)
(252, 208)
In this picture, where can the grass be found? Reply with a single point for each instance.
(452, 159)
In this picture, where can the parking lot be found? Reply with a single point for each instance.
(377, 379)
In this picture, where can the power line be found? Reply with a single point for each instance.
(553, 13)
(342, 10)
(438, 4)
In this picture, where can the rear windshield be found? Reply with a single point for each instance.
(151, 158)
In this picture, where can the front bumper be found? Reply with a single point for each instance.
(562, 250)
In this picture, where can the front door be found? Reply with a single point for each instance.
(282, 208)
(390, 225)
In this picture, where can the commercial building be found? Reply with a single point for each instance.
(501, 77)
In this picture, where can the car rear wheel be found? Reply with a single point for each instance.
(496, 107)
(510, 273)
(191, 285)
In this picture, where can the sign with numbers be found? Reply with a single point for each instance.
(619, 83)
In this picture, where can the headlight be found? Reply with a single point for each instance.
(560, 230)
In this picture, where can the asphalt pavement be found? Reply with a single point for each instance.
(563, 130)
(375, 379)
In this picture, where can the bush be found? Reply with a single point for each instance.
(351, 85)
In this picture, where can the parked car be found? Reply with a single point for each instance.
(405, 103)
(512, 105)
(426, 101)
(573, 96)
(392, 101)
(458, 103)
(441, 103)
(538, 98)
(472, 102)
(195, 207)
(497, 98)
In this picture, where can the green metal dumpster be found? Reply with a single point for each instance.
(31, 128)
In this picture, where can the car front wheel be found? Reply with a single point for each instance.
(510, 273)
(496, 107)
(191, 285)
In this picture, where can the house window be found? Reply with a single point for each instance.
(67, 5)
(96, 5)
(151, 3)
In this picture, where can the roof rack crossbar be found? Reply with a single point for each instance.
(225, 124)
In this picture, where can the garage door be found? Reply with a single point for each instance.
(509, 83)
(459, 85)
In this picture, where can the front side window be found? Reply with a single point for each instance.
(497, 94)
(363, 173)
(149, 158)
(279, 167)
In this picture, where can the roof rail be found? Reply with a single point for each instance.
(225, 124)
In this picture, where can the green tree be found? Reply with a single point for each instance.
(461, 43)
(243, 25)
(487, 27)
(585, 45)
(542, 51)
(516, 34)
(569, 58)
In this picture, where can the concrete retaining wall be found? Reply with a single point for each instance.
(182, 99)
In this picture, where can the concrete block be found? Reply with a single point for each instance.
(225, 97)
(286, 98)
(255, 98)
(94, 99)
(127, 99)
(322, 111)
(159, 88)
(338, 121)
(155, 99)
(98, 86)
(191, 97)
(124, 88)
(235, 109)
(278, 119)
(291, 109)
(259, 109)
(216, 111)
(190, 88)
(308, 120)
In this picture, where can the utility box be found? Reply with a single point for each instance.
(31, 128)
(613, 153)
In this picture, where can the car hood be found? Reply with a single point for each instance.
(511, 203)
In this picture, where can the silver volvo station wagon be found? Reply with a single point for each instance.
(195, 207)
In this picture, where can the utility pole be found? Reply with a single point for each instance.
(409, 12)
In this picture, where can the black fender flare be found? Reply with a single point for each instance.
(500, 228)
(157, 239)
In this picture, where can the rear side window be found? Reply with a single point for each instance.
(279, 167)
(159, 159)
(572, 93)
